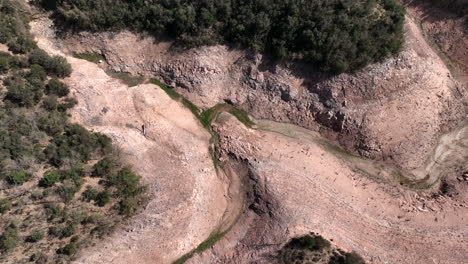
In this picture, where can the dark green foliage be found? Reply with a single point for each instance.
(10, 238)
(346, 258)
(313, 243)
(50, 103)
(53, 211)
(70, 249)
(90, 194)
(103, 167)
(5, 62)
(34, 133)
(52, 123)
(58, 66)
(67, 190)
(22, 92)
(314, 248)
(68, 103)
(57, 87)
(127, 183)
(129, 206)
(68, 230)
(337, 35)
(37, 72)
(5, 205)
(50, 178)
(18, 177)
(103, 198)
(55, 66)
(38, 258)
(22, 44)
(35, 237)
(76, 144)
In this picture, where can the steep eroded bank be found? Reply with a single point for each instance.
(393, 111)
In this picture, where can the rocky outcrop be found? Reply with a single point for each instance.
(393, 111)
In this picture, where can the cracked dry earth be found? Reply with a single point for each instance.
(296, 184)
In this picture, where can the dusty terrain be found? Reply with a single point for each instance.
(299, 185)
(412, 98)
(187, 196)
(394, 112)
(447, 29)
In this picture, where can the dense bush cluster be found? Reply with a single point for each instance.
(46, 162)
(337, 35)
(314, 248)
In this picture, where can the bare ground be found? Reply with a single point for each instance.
(301, 186)
(188, 199)
(296, 185)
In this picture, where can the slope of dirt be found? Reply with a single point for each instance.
(394, 111)
(411, 98)
(447, 29)
(187, 197)
(300, 186)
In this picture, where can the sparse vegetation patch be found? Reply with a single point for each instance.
(50, 202)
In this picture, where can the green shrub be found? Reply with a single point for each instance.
(55, 66)
(5, 62)
(103, 167)
(57, 87)
(103, 198)
(53, 211)
(38, 258)
(37, 72)
(50, 103)
(39, 57)
(129, 206)
(19, 177)
(76, 143)
(127, 183)
(67, 191)
(58, 66)
(35, 236)
(91, 219)
(68, 104)
(313, 243)
(69, 250)
(346, 258)
(10, 238)
(68, 230)
(90, 194)
(22, 44)
(5, 205)
(53, 123)
(50, 178)
(337, 36)
(23, 94)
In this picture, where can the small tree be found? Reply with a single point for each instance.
(5, 205)
(19, 177)
(10, 238)
(57, 87)
(50, 178)
(35, 237)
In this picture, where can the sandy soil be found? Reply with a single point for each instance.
(310, 189)
(295, 184)
(187, 197)
(393, 111)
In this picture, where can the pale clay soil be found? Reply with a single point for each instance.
(294, 183)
